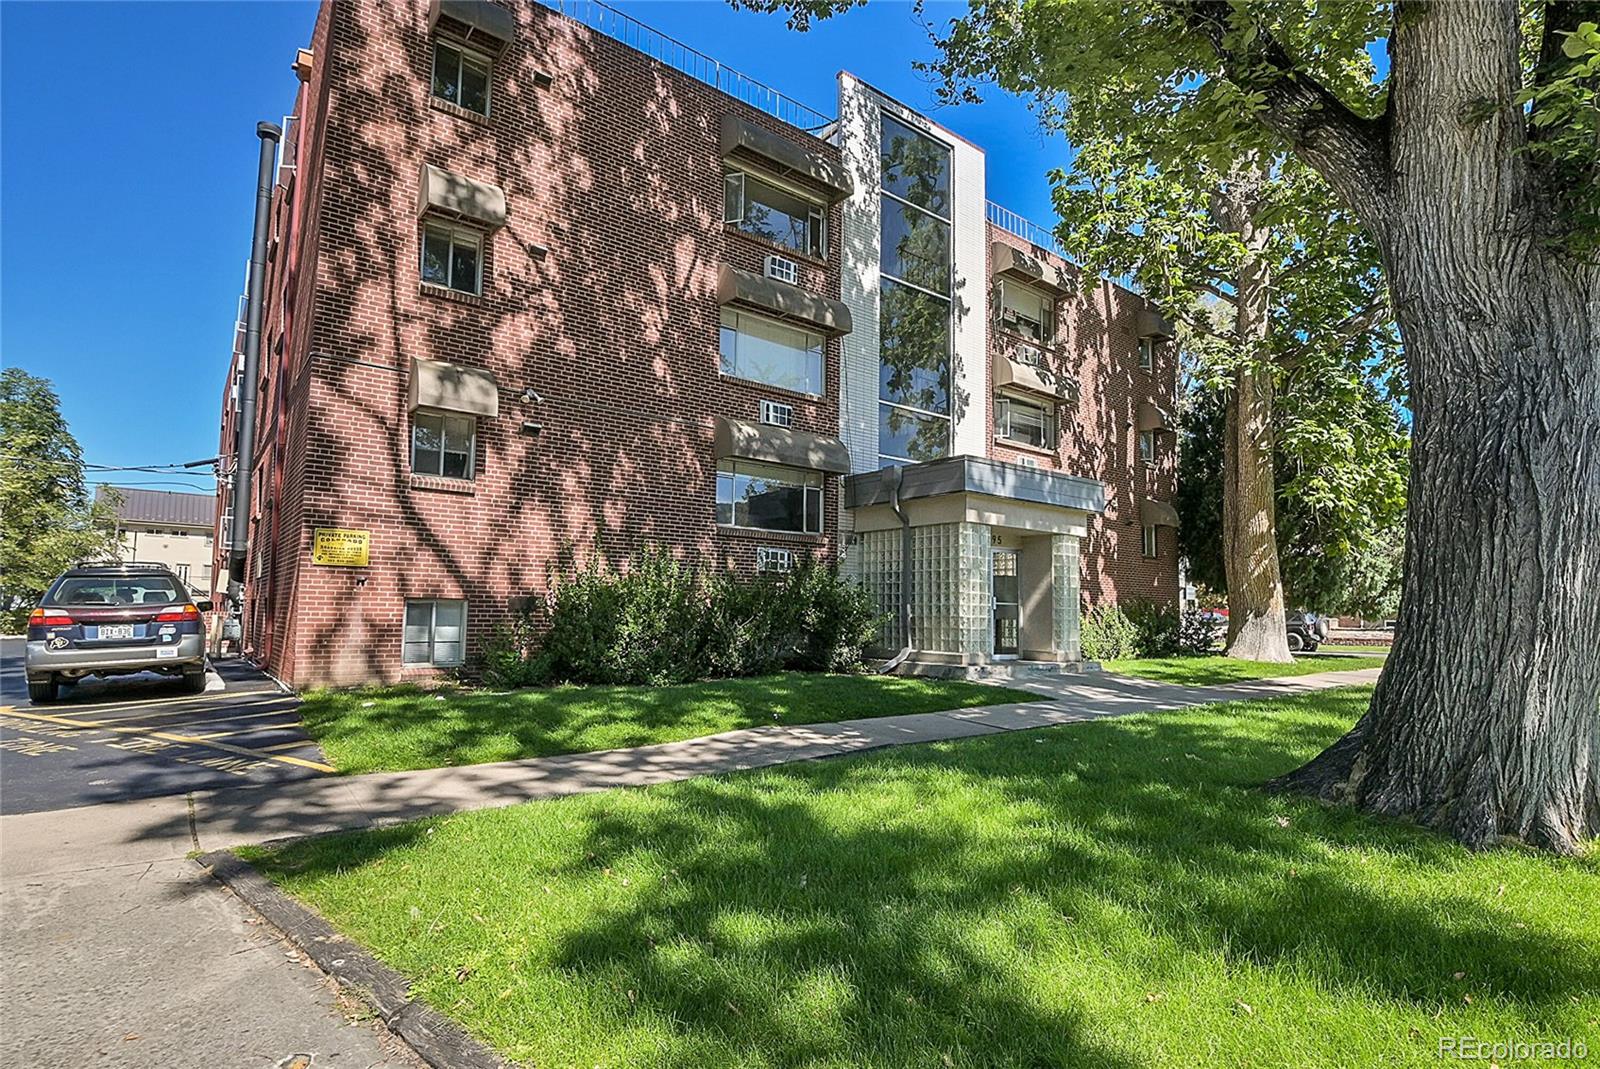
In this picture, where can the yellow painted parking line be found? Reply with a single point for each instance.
(247, 731)
(169, 737)
(203, 721)
(285, 746)
(167, 710)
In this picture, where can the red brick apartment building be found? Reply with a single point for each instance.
(535, 297)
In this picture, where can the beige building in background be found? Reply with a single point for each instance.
(166, 527)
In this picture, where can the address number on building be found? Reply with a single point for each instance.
(340, 547)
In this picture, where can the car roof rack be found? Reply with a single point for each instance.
(118, 568)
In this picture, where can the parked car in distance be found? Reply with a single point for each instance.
(1307, 631)
(115, 619)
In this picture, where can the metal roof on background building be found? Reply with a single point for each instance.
(166, 507)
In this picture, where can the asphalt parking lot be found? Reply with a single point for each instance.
(108, 740)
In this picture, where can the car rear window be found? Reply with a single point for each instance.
(117, 590)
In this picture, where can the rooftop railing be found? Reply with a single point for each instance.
(1034, 234)
(697, 65)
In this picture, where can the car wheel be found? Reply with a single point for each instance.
(1296, 643)
(194, 682)
(45, 691)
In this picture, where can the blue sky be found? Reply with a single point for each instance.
(126, 188)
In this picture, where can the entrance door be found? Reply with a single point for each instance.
(1007, 606)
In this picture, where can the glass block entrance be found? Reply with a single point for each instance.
(1007, 604)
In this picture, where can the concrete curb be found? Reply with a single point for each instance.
(436, 1039)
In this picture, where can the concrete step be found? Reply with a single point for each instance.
(995, 670)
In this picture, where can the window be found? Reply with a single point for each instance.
(757, 206)
(461, 77)
(764, 350)
(1147, 446)
(435, 633)
(183, 572)
(442, 445)
(1149, 540)
(1027, 311)
(774, 559)
(769, 498)
(1147, 353)
(913, 296)
(1025, 422)
(452, 257)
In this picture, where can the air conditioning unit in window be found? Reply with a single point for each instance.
(777, 415)
(782, 269)
(1027, 462)
(773, 559)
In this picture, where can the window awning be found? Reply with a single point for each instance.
(1157, 513)
(1018, 375)
(788, 302)
(1152, 418)
(453, 388)
(476, 22)
(1008, 261)
(1152, 324)
(744, 139)
(780, 445)
(441, 192)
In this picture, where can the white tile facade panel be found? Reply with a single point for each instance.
(969, 364)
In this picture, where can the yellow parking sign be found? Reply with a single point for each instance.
(340, 547)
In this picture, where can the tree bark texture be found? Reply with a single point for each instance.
(1486, 721)
(1256, 625)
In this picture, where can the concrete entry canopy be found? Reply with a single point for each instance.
(926, 540)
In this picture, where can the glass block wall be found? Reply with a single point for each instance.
(879, 573)
(1064, 565)
(950, 596)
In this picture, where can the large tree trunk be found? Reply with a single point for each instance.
(1486, 721)
(1256, 627)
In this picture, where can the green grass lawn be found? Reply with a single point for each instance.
(395, 728)
(1111, 894)
(1370, 651)
(1215, 669)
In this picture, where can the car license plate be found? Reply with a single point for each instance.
(116, 630)
(170, 651)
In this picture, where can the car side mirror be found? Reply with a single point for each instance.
(203, 606)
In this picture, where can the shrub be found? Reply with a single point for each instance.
(509, 655)
(1157, 627)
(1106, 634)
(666, 622)
(1196, 634)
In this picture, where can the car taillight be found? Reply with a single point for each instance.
(188, 612)
(40, 618)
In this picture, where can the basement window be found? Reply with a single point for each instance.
(453, 258)
(435, 633)
(461, 77)
(442, 445)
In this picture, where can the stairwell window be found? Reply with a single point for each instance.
(452, 257)
(435, 633)
(442, 445)
(461, 77)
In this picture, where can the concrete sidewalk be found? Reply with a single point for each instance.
(119, 951)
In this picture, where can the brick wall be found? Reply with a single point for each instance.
(615, 169)
(1097, 345)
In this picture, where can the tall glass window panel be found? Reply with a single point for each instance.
(769, 497)
(915, 246)
(763, 350)
(763, 209)
(909, 437)
(1027, 311)
(461, 78)
(914, 348)
(916, 168)
(1025, 422)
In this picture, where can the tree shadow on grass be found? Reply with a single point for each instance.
(990, 899)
